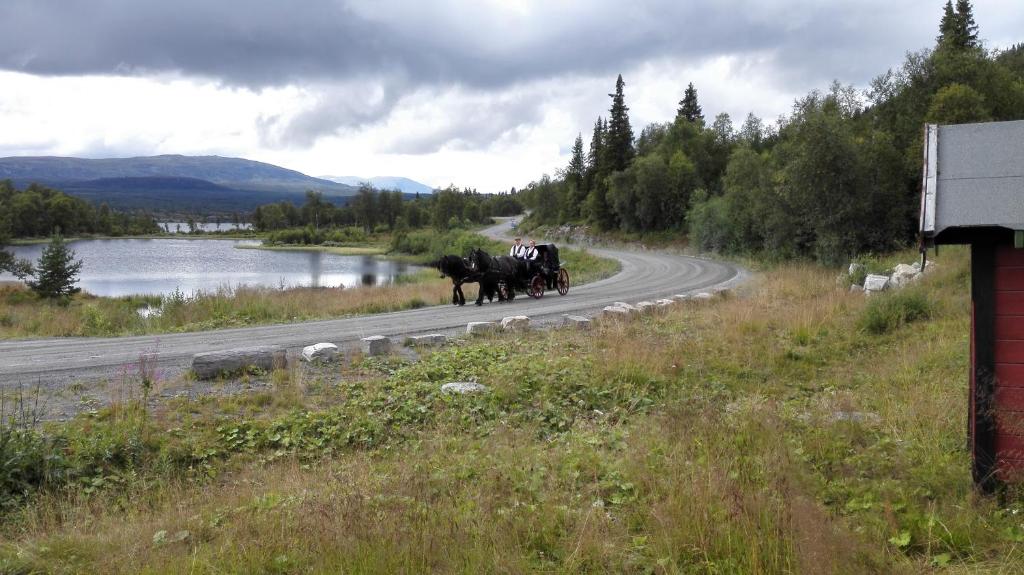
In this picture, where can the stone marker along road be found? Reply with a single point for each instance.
(645, 275)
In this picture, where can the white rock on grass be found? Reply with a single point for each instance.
(703, 296)
(576, 322)
(854, 269)
(876, 283)
(681, 297)
(475, 327)
(665, 302)
(376, 345)
(320, 352)
(515, 323)
(463, 387)
(616, 312)
(630, 308)
(430, 339)
(645, 307)
(210, 364)
(904, 274)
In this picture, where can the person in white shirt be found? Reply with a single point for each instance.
(531, 252)
(518, 250)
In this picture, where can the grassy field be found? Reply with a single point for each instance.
(22, 314)
(796, 429)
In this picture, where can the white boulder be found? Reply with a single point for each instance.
(515, 323)
(645, 307)
(575, 322)
(630, 308)
(320, 352)
(210, 364)
(903, 275)
(615, 312)
(376, 345)
(876, 283)
(430, 339)
(475, 327)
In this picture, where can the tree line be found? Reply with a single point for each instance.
(838, 176)
(38, 211)
(376, 210)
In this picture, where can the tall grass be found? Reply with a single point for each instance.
(766, 433)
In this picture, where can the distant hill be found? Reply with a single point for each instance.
(172, 195)
(384, 183)
(185, 183)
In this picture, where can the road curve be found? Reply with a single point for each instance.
(645, 275)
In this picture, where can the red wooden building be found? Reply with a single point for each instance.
(973, 193)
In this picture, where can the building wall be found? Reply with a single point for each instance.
(1008, 338)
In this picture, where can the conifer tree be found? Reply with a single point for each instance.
(947, 25)
(58, 270)
(689, 108)
(619, 141)
(966, 28)
(596, 154)
(577, 164)
(958, 30)
(575, 177)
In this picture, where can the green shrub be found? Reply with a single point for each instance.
(893, 310)
(431, 244)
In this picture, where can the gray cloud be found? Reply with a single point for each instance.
(395, 47)
(339, 107)
(476, 124)
(269, 43)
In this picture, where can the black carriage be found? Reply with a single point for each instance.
(544, 273)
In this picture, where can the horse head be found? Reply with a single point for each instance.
(479, 260)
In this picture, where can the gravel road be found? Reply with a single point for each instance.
(645, 275)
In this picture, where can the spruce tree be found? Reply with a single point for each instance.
(966, 28)
(947, 26)
(595, 158)
(577, 164)
(958, 30)
(575, 174)
(620, 134)
(689, 108)
(58, 270)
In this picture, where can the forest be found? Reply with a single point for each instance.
(39, 211)
(837, 177)
(382, 210)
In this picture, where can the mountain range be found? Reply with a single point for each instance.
(200, 184)
(384, 183)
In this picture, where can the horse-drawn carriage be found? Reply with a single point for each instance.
(504, 275)
(546, 272)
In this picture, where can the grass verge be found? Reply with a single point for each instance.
(773, 433)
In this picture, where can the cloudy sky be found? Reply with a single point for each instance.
(482, 93)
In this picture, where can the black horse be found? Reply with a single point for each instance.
(499, 271)
(459, 270)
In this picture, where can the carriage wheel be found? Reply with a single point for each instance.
(563, 282)
(536, 287)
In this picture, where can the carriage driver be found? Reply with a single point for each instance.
(518, 250)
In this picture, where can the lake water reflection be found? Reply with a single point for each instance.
(160, 266)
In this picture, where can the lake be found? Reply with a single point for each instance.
(160, 266)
